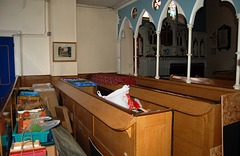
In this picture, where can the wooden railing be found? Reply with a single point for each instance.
(6, 118)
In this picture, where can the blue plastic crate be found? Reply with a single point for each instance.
(41, 136)
(4, 139)
(29, 93)
(85, 84)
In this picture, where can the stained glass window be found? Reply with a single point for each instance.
(172, 10)
(156, 4)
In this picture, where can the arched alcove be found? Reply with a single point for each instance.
(146, 46)
(173, 43)
(126, 48)
(216, 38)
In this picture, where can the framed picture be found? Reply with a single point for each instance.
(64, 51)
(224, 37)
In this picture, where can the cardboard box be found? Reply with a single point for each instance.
(51, 151)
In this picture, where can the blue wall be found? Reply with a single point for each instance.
(187, 6)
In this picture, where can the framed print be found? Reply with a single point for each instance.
(224, 37)
(64, 51)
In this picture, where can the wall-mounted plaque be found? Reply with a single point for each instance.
(224, 37)
(134, 12)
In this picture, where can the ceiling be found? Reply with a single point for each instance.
(115, 4)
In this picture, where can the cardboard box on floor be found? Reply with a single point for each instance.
(48, 95)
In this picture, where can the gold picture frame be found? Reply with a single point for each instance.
(64, 51)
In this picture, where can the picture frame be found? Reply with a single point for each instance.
(64, 51)
(224, 37)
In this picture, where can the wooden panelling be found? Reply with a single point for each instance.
(155, 132)
(7, 120)
(84, 117)
(82, 136)
(185, 148)
(67, 101)
(118, 142)
(28, 81)
(191, 127)
(151, 106)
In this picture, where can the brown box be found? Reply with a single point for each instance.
(51, 151)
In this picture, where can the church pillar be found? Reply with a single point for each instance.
(157, 56)
(135, 55)
(190, 26)
(237, 86)
(119, 56)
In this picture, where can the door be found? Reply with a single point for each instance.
(7, 67)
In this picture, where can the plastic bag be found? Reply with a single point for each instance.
(39, 124)
(137, 103)
(120, 97)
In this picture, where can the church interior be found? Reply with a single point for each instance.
(120, 77)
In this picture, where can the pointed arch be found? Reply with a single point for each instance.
(164, 13)
(122, 26)
(231, 1)
(199, 4)
(139, 22)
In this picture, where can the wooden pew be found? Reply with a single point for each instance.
(197, 121)
(227, 99)
(113, 129)
(225, 75)
(194, 90)
(205, 81)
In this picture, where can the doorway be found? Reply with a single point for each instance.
(7, 66)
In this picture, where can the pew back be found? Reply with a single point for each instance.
(194, 90)
(205, 81)
(197, 121)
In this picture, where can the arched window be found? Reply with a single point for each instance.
(166, 34)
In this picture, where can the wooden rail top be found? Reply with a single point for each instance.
(8, 96)
(202, 91)
(205, 81)
(181, 103)
(116, 117)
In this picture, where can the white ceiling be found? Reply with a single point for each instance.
(105, 3)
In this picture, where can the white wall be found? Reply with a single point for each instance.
(63, 28)
(27, 18)
(96, 35)
(96, 45)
